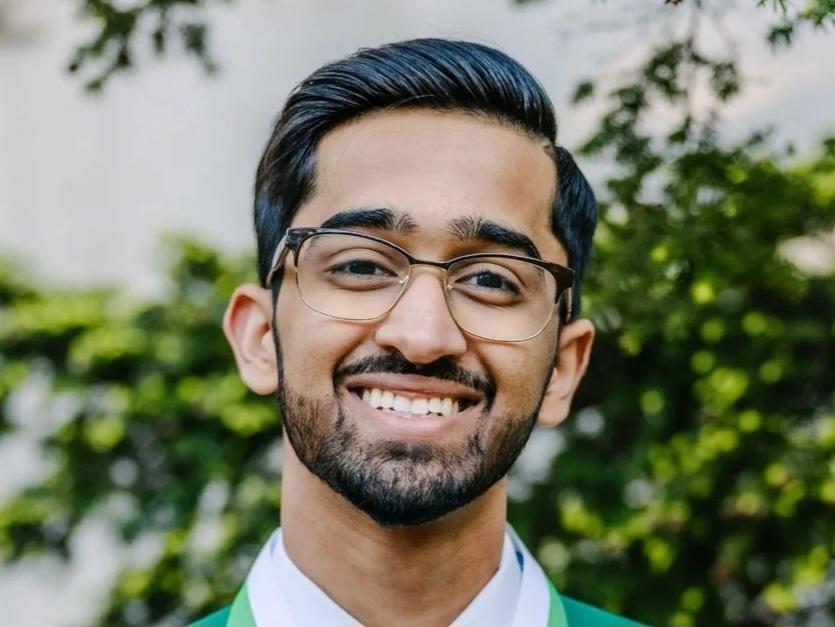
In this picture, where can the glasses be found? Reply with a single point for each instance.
(355, 276)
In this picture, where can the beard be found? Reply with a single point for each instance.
(402, 483)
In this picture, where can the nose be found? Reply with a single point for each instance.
(420, 325)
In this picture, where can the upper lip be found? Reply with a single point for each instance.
(413, 385)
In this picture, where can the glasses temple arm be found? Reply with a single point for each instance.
(568, 296)
(278, 259)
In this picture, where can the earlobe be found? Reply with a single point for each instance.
(247, 325)
(576, 339)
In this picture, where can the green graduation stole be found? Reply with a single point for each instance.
(538, 599)
(563, 612)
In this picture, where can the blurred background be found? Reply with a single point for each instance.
(695, 483)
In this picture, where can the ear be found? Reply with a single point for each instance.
(576, 339)
(247, 325)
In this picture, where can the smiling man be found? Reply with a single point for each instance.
(421, 239)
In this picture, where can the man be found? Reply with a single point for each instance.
(421, 240)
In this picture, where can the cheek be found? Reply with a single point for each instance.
(520, 373)
(300, 341)
(312, 345)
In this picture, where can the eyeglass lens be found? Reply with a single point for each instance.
(354, 278)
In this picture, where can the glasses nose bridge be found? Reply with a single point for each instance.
(407, 281)
(442, 266)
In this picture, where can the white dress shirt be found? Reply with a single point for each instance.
(309, 606)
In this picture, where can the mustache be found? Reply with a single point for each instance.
(394, 363)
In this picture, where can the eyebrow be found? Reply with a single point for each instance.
(481, 230)
(464, 228)
(384, 218)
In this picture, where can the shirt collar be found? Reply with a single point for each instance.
(307, 603)
(496, 603)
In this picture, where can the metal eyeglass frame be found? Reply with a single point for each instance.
(295, 237)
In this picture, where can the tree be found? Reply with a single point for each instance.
(120, 28)
(697, 484)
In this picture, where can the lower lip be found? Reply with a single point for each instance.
(410, 426)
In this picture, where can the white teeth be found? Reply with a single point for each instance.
(375, 398)
(446, 407)
(401, 403)
(419, 406)
(386, 399)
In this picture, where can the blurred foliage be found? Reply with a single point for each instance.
(144, 416)
(123, 30)
(704, 493)
(697, 484)
(119, 25)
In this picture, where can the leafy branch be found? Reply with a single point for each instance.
(113, 47)
(120, 32)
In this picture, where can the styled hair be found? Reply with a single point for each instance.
(435, 74)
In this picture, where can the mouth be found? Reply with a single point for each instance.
(413, 408)
(410, 404)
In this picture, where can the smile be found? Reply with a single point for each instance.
(411, 404)
(412, 408)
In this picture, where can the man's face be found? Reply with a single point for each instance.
(432, 170)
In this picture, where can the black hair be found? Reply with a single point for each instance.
(434, 74)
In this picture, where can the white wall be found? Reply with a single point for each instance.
(88, 183)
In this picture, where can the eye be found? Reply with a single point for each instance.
(362, 267)
(487, 280)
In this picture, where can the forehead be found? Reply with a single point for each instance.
(436, 167)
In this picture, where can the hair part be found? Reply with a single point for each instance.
(435, 74)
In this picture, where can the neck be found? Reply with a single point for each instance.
(428, 573)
